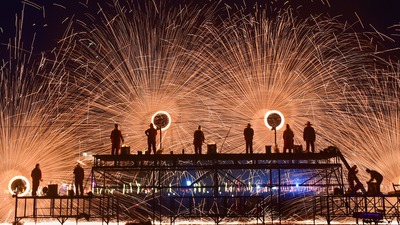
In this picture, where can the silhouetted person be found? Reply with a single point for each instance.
(198, 140)
(376, 179)
(248, 137)
(151, 134)
(116, 138)
(309, 137)
(288, 139)
(351, 177)
(79, 176)
(36, 175)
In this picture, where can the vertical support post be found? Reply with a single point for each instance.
(271, 195)
(328, 215)
(215, 177)
(160, 193)
(153, 191)
(16, 209)
(215, 183)
(279, 196)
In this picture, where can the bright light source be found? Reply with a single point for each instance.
(274, 117)
(20, 185)
(188, 182)
(161, 119)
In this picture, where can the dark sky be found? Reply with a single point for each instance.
(381, 14)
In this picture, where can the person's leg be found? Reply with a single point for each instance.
(76, 187)
(154, 147)
(351, 184)
(81, 187)
(35, 186)
(251, 147)
(307, 146)
(312, 146)
(200, 149)
(378, 185)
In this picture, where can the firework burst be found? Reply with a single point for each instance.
(139, 61)
(38, 120)
(295, 66)
(125, 64)
(367, 126)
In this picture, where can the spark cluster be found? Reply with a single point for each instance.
(127, 61)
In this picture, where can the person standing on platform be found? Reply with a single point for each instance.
(198, 140)
(36, 175)
(79, 176)
(351, 177)
(378, 178)
(151, 134)
(116, 138)
(309, 137)
(288, 139)
(248, 137)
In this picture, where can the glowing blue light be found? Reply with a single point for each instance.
(188, 182)
(297, 185)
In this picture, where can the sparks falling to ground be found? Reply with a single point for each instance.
(126, 61)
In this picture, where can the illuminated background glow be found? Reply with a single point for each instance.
(123, 62)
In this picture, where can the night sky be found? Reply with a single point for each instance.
(45, 22)
(49, 27)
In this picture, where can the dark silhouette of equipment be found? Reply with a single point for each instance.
(211, 149)
(125, 150)
(298, 148)
(52, 190)
(268, 149)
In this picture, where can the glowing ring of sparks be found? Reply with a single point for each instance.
(162, 113)
(280, 125)
(28, 185)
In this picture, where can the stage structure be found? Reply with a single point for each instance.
(64, 207)
(369, 209)
(271, 187)
(219, 187)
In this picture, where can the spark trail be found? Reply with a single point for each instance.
(127, 61)
(139, 61)
(38, 121)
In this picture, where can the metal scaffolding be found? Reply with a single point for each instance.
(218, 186)
(382, 208)
(62, 208)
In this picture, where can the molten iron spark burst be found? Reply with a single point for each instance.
(221, 74)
